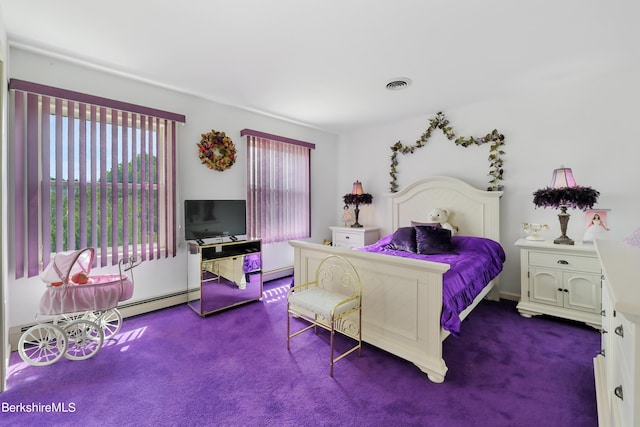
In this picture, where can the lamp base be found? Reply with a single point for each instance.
(563, 240)
(563, 216)
(357, 224)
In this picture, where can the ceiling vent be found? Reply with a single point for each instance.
(398, 83)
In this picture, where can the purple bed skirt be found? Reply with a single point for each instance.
(477, 262)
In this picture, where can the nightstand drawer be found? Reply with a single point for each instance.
(564, 261)
(341, 238)
(349, 237)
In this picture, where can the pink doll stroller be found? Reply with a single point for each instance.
(83, 309)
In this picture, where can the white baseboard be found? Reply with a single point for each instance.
(510, 296)
(149, 305)
(127, 310)
(277, 274)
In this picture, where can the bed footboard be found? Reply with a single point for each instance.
(401, 302)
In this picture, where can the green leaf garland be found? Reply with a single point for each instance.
(440, 122)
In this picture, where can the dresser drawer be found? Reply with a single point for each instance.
(623, 338)
(564, 261)
(622, 397)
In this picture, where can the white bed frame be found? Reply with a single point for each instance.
(402, 297)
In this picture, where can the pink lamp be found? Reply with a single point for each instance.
(564, 193)
(357, 197)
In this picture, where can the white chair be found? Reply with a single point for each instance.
(332, 301)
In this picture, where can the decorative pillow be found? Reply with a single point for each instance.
(430, 224)
(404, 239)
(433, 240)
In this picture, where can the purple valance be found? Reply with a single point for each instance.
(272, 137)
(40, 89)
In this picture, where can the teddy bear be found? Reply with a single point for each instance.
(442, 216)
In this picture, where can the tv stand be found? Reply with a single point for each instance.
(223, 275)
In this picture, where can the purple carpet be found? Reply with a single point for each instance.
(174, 368)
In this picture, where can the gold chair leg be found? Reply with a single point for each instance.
(332, 332)
(360, 332)
(288, 329)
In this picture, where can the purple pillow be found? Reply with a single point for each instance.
(433, 240)
(430, 224)
(403, 239)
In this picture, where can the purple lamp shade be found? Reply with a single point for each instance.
(562, 178)
(357, 188)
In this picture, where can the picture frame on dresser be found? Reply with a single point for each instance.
(596, 224)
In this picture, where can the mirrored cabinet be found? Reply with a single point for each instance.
(223, 275)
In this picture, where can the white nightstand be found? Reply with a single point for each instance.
(350, 237)
(560, 280)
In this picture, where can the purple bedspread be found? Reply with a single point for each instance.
(478, 261)
(252, 263)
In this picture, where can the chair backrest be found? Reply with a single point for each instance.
(336, 274)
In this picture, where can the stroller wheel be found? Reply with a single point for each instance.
(110, 322)
(63, 320)
(84, 339)
(42, 344)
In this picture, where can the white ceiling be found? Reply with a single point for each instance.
(325, 63)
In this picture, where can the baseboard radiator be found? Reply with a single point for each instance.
(150, 304)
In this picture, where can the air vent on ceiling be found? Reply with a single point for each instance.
(398, 83)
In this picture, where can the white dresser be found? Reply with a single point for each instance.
(617, 368)
(560, 280)
(351, 237)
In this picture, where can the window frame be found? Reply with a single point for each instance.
(32, 151)
(264, 210)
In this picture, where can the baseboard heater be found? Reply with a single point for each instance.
(150, 304)
(127, 310)
(277, 273)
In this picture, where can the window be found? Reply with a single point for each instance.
(90, 172)
(278, 187)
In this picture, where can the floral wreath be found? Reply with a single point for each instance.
(495, 138)
(216, 151)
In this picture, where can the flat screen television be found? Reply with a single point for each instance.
(205, 219)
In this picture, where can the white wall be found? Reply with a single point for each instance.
(167, 276)
(586, 121)
(4, 289)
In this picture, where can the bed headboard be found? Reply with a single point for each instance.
(475, 212)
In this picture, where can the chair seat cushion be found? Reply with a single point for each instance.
(321, 302)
